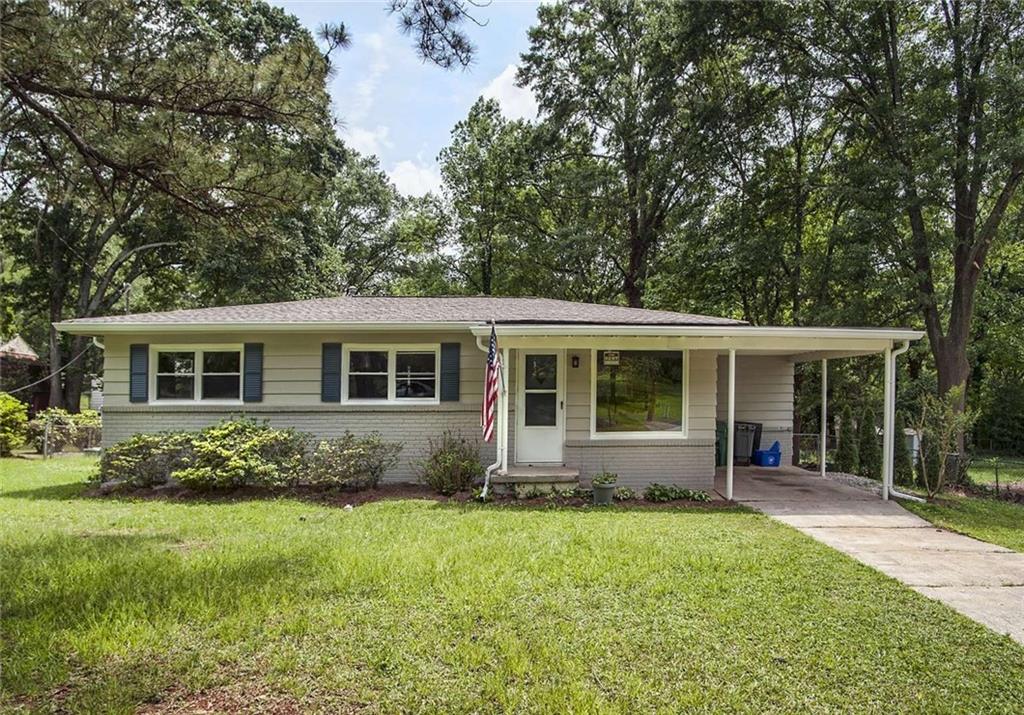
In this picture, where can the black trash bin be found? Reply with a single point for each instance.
(747, 441)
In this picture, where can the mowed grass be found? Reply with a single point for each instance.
(992, 520)
(416, 606)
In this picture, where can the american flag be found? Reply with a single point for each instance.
(489, 408)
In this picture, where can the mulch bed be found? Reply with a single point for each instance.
(384, 492)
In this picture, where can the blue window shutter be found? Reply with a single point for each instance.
(450, 371)
(252, 382)
(138, 373)
(330, 373)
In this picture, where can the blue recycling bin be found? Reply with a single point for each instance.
(768, 457)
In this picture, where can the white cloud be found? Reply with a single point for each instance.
(366, 141)
(365, 91)
(516, 102)
(415, 179)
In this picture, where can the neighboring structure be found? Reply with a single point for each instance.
(21, 366)
(589, 387)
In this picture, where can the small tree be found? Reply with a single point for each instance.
(939, 424)
(902, 467)
(846, 452)
(869, 452)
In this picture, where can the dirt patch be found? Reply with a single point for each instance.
(385, 492)
(246, 697)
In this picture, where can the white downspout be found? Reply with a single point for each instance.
(822, 443)
(891, 409)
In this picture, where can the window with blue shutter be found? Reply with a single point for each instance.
(138, 373)
(450, 353)
(252, 384)
(330, 373)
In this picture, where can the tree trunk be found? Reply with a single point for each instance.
(56, 360)
(74, 375)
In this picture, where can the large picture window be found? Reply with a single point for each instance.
(391, 374)
(209, 374)
(639, 392)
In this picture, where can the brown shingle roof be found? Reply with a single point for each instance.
(372, 309)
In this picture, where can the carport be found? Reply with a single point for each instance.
(801, 345)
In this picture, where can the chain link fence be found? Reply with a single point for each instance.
(59, 438)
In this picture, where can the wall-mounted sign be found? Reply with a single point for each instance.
(611, 357)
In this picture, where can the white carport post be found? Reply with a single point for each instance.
(823, 441)
(887, 424)
(731, 424)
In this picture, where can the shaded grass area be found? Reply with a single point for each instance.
(985, 470)
(992, 520)
(420, 606)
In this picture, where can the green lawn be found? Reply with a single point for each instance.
(419, 606)
(983, 471)
(992, 520)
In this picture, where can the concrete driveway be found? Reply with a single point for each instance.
(982, 581)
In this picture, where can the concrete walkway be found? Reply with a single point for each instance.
(982, 581)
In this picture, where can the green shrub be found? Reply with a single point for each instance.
(669, 492)
(452, 464)
(145, 460)
(623, 494)
(13, 423)
(351, 462)
(902, 464)
(846, 452)
(61, 433)
(242, 452)
(869, 452)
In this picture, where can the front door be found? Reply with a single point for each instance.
(540, 406)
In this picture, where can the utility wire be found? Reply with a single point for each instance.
(55, 372)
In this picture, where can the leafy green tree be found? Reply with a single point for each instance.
(869, 451)
(932, 90)
(121, 113)
(847, 456)
(629, 76)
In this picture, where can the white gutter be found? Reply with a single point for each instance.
(711, 331)
(97, 343)
(889, 459)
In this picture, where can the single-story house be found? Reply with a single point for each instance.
(587, 388)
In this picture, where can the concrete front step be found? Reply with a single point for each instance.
(528, 480)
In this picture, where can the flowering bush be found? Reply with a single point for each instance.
(242, 452)
(351, 462)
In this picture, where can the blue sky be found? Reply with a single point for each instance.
(391, 104)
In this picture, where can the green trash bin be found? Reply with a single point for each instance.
(721, 442)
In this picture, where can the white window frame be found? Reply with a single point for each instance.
(392, 349)
(681, 433)
(197, 376)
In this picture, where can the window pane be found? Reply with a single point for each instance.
(414, 363)
(171, 387)
(178, 363)
(220, 387)
(642, 393)
(368, 361)
(418, 387)
(541, 372)
(226, 361)
(540, 409)
(368, 387)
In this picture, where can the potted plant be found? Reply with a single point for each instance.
(604, 488)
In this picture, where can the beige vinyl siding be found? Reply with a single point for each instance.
(291, 388)
(764, 393)
(291, 362)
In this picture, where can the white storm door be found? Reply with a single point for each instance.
(540, 406)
